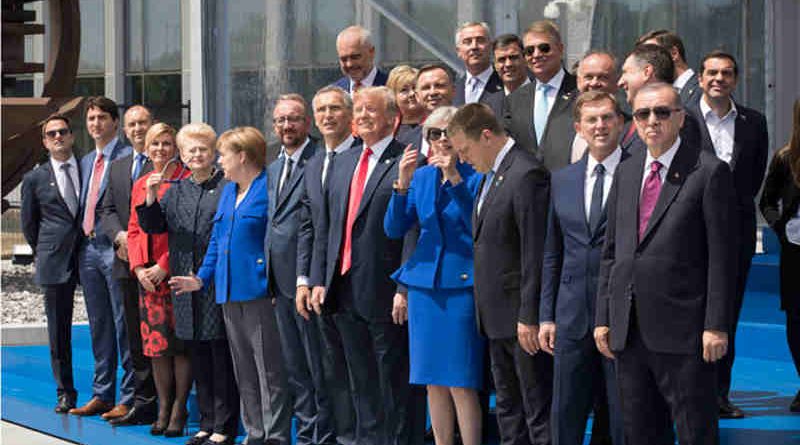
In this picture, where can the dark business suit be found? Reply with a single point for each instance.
(300, 341)
(380, 80)
(691, 91)
(376, 349)
(509, 235)
(337, 380)
(658, 296)
(748, 164)
(495, 100)
(569, 287)
(54, 235)
(104, 299)
(493, 85)
(518, 119)
(114, 215)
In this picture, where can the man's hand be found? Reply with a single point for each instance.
(302, 301)
(121, 241)
(715, 345)
(547, 336)
(601, 340)
(528, 336)
(318, 298)
(400, 308)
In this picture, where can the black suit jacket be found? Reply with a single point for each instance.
(374, 255)
(681, 275)
(509, 236)
(115, 209)
(49, 227)
(691, 91)
(556, 146)
(493, 85)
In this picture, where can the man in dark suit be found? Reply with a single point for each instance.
(575, 234)
(351, 267)
(738, 136)
(114, 216)
(686, 81)
(509, 224)
(356, 60)
(333, 114)
(300, 342)
(50, 211)
(104, 299)
(539, 115)
(667, 277)
(509, 63)
(473, 44)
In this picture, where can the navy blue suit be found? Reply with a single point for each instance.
(569, 287)
(103, 295)
(380, 80)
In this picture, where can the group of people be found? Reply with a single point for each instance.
(510, 228)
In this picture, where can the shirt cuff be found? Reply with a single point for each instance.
(302, 280)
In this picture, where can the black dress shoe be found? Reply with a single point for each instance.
(795, 406)
(136, 416)
(728, 410)
(65, 403)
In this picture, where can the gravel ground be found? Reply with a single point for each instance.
(22, 300)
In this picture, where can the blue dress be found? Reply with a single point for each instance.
(445, 347)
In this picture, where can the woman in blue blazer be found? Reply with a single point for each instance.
(236, 262)
(446, 351)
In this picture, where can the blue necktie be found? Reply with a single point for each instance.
(540, 111)
(596, 207)
(138, 161)
(487, 184)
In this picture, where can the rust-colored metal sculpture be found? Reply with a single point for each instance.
(22, 117)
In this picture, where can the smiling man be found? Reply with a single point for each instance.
(509, 63)
(473, 44)
(357, 60)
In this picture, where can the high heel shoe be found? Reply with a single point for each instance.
(177, 425)
(160, 425)
(229, 440)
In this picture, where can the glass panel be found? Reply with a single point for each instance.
(329, 18)
(17, 87)
(135, 42)
(162, 27)
(92, 37)
(247, 33)
(162, 94)
(439, 18)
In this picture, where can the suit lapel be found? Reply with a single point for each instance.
(384, 164)
(51, 174)
(739, 132)
(273, 178)
(344, 166)
(682, 164)
(579, 191)
(526, 112)
(493, 85)
(497, 183)
(297, 173)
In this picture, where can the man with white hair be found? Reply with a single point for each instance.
(356, 60)
(474, 45)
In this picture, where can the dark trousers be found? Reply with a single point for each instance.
(376, 353)
(583, 378)
(300, 344)
(217, 396)
(145, 392)
(337, 380)
(524, 388)
(58, 304)
(646, 379)
(793, 337)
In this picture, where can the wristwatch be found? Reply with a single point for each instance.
(398, 189)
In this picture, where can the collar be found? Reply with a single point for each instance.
(367, 81)
(56, 164)
(108, 147)
(483, 76)
(610, 162)
(665, 159)
(524, 82)
(554, 82)
(503, 152)
(705, 109)
(680, 82)
(295, 157)
(379, 147)
(344, 146)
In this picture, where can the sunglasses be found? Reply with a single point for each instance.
(544, 48)
(661, 113)
(60, 132)
(434, 134)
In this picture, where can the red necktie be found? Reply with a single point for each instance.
(357, 86)
(94, 190)
(652, 187)
(629, 134)
(356, 192)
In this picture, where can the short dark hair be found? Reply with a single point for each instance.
(505, 40)
(720, 54)
(434, 66)
(472, 119)
(104, 104)
(594, 96)
(666, 39)
(657, 57)
(56, 117)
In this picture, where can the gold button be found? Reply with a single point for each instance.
(464, 276)
(260, 261)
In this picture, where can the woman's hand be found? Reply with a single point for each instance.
(144, 279)
(408, 164)
(156, 274)
(447, 164)
(185, 284)
(152, 184)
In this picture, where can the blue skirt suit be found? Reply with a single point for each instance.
(445, 347)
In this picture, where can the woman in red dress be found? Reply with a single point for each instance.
(149, 261)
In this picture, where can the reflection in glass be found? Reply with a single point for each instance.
(154, 35)
(92, 58)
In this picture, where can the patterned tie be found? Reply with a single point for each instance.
(356, 192)
(472, 95)
(540, 111)
(487, 184)
(652, 187)
(596, 207)
(70, 196)
(94, 191)
(137, 166)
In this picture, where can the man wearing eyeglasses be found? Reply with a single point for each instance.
(667, 277)
(539, 115)
(50, 223)
(473, 43)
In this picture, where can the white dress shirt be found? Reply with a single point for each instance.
(721, 129)
(665, 159)
(610, 163)
(482, 79)
(106, 163)
(365, 82)
(295, 157)
(552, 93)
(61, 177)
(339, 149)
(377, 151)
(680, 82)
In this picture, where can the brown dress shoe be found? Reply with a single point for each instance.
(92, 408)
(116, 412)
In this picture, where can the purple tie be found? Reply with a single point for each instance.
(652, 187)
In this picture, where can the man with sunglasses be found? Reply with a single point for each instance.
(50, 223)
(667, 277)
(539, 115)
(473, 43)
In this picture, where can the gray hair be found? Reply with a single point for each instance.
(364, 35)
(440, 117)
(388, 98)
(465, 25)
(348, 101)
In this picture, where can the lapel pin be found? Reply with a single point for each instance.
(499, 179)
(52, 184)
(677, 175)
(387, 162)
(211, 191)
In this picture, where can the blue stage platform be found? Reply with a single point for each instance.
(764, 381)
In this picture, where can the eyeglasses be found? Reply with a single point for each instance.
(434, 134)
(543, 48)
(661, 113)
(60, 132)
(177, 175)
(290, 119)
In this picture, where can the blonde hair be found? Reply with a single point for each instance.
(388, 98)
(201, 132)
(400, 76)
(157, 130)
(245, 139)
